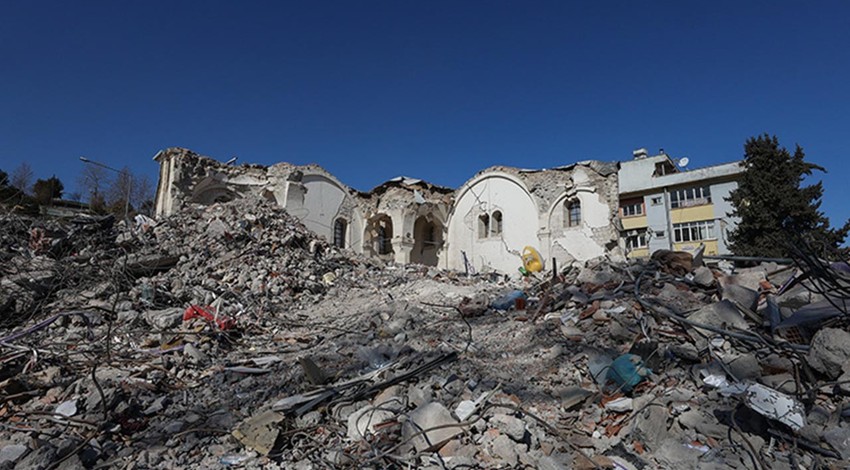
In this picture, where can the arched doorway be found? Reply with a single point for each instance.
(379, 236)
(427, 241)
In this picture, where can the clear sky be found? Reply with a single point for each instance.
(435, 90)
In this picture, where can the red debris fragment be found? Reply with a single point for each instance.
(208, 314)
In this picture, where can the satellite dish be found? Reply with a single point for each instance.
(683, 162)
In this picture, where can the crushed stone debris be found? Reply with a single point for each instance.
(229, 335)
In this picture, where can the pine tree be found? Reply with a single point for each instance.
(773, 206)
(45, 191)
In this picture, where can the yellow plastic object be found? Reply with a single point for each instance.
(531, 260)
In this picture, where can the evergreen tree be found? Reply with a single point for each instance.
(773, 206)
(45, 190)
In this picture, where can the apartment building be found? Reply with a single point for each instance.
(665, 206)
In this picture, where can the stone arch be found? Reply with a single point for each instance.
(427, 241)
(488, 193)
(378, 236)
(491, 175)
(553, 217)
(210, 191)
(567, 243)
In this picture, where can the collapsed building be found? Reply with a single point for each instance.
(570, 213)
(564, 213)
(232, 335)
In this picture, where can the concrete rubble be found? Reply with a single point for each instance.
(229, 335)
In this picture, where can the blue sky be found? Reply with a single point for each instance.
(435, 90)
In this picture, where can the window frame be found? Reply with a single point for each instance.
(690, 196)
(483, 226)
(641, 239)
(696, 231)
(339, 234)
(572, 208)
(496, 223)
(636, 209)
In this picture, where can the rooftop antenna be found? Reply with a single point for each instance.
(683, 162)
(231, 161)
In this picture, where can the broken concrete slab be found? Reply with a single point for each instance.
(749, 278)
(830, 351)
(748, 298)
(164, 319)
(839, 439)
(723, 314)
(418, 426)
(745, 366)
(260, 431)
(365, 421)
(505, 449)
(650, 424)
(512, 426)
(620, 405)
(703, 276)
(704, 423)
(10, 454)
(676, 454)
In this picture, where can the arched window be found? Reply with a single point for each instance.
(340, 226)
(385, 245)
(572, 213)
(483, 225)
(496, 225)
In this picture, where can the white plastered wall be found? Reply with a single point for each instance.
(322, 199)
(487, 193)
(577, 243)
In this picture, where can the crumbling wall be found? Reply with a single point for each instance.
(532, 205)
(405, 202)
(497, 190)
(408, 220)
(593, 186)
(187, 177)
(307, 192)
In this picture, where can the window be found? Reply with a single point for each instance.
(573, 214)
(496, 223)
(385, 243)
(690, 197)
(656, 201)
(339, 232)
(632, 208)
(483, 225)
(664, 168)
(693, 231)
(637, 240)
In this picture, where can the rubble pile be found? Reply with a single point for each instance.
(230, 336)
(260, 256)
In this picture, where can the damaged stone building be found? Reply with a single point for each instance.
(566, 213)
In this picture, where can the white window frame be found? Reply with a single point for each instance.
(636, 209)
(687, 232)
(689, 197)
(639, 238)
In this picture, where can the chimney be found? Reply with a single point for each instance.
(640, 153)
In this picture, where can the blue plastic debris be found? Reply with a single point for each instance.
(508, 301)
(627, 371)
